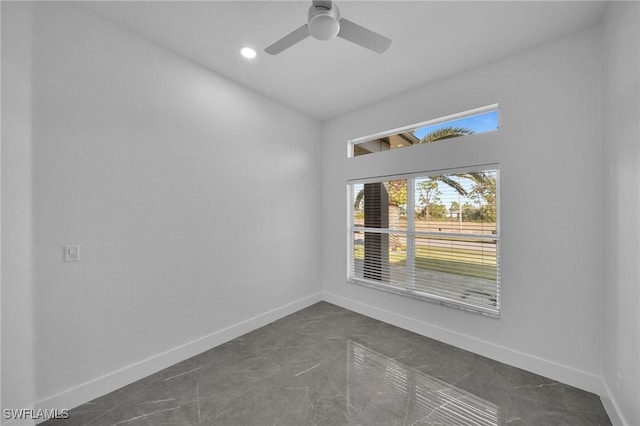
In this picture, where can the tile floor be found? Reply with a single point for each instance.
(325, 365)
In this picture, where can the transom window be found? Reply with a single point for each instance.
(479, 120)
(431, 235)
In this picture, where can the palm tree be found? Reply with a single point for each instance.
(445, 133)
(395, 191)
(396, 194)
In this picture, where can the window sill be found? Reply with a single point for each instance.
(493, 313)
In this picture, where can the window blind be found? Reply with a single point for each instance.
(432, 236)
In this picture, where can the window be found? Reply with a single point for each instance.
(431, 235)
(480, 120)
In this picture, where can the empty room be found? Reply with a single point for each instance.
(320, 213)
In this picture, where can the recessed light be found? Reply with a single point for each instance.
(248, 52)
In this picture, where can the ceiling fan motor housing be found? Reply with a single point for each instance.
(324, 24)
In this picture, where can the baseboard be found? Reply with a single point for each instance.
(561, 373)
(611, 406)
(92, 389)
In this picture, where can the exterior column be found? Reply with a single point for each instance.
(376, 245)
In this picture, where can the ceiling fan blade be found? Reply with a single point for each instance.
(288, 40)
(363, 37)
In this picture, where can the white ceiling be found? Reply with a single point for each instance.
(431, 40)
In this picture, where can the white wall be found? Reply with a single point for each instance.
(548, 148)
(17, 294)
(195, 202)
(621, 189)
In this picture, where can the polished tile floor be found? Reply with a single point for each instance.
(325, 365)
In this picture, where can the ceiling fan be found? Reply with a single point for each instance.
(324, 23)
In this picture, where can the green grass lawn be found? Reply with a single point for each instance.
(442, 259)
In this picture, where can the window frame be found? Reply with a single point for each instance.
(411, 235)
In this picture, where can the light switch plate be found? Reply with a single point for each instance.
(72, 253)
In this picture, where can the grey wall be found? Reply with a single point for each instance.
(195, 202)
(621, 201)
(18, 379)
(548, 148)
